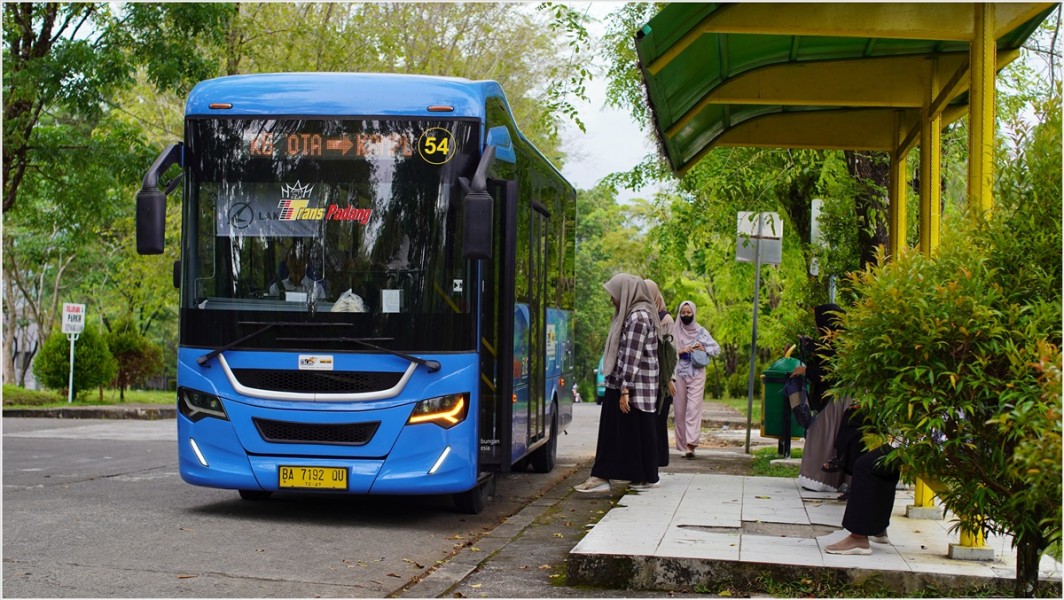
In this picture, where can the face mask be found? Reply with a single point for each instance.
(687, 319)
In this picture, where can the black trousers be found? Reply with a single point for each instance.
(871, 493)
(849, 442)
(661, 430)
(627, 446)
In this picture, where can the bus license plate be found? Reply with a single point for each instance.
(314, 478)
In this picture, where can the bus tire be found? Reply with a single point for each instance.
(255, 495)
(545, 457)
(472, 502)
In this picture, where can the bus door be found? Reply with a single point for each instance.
(539, 221)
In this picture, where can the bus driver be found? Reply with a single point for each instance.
(296, 261)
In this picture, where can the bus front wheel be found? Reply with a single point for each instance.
(473, 501)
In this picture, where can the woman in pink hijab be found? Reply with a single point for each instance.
(690, 379)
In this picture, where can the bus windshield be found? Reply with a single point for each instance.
(352, 221)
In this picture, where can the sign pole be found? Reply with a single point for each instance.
(753, 337)
(73, 325)
(73, 337)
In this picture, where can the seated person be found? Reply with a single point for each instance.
(871, 502)
(297, 280)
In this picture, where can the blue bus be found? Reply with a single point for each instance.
(376, 286)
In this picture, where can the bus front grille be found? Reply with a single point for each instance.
(317, 382)
(343, 434)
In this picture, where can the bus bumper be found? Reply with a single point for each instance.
(425, 459)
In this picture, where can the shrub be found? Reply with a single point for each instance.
(93, 364)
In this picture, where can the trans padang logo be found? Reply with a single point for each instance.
(296, 202)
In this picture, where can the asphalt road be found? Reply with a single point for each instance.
(96, 508)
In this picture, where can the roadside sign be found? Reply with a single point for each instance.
(759, 231)
(73, 318)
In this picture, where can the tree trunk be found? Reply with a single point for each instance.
(1029, 546)
(873, 172)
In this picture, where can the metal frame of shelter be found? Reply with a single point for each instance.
(857, 76)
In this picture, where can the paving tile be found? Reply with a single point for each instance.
(780, 550)
(693, 543)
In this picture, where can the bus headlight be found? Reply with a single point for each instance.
(198, 405)
(445, 411)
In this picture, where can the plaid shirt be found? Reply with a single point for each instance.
(637, 362)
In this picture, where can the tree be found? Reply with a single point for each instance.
(69, 165)
(510, 43)
(136, 357)
(71, 56)
(93, 363)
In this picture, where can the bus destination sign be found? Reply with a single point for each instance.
(316, 145)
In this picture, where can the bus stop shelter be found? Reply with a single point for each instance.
(858, 76)
(884, 77)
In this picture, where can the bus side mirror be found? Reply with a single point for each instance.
(504, 144)
(478, 211)
(151, 202)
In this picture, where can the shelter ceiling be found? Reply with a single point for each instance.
(819, 75)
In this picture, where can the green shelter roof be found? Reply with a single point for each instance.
(812, 75)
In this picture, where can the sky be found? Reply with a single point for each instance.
(613, 141)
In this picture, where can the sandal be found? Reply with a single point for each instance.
(834, 465)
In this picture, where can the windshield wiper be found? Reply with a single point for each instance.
(204, 359)
(431, 365)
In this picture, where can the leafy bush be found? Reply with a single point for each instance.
(93, 364)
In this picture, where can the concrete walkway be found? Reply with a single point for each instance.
(702, 528)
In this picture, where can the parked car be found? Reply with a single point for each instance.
(600, 383)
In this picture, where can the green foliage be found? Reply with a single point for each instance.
(137, 357)
(959, 356)
(93, 364)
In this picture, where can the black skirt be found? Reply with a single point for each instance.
(627, 444)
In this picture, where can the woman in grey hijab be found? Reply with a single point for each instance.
(626, 449)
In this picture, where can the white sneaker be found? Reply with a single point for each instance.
(593, 484)
(880, 539)
(644, 486)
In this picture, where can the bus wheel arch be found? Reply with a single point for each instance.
(544, 458)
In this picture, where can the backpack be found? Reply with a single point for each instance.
(666, 364)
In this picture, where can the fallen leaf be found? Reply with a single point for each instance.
(186, 576)
(544, 566)
(474, 549)
(476, 585)
(393, 575)
(414, 563)
(763, 497)
(558, 535)
(555, 575)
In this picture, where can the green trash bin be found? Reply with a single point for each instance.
(775, 409)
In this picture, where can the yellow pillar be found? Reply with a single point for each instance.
(981, 136)
(896, 210)
(930, 170)
(981, 147)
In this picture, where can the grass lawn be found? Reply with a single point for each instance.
(16, 397)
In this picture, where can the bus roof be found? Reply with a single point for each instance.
(340, 94)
